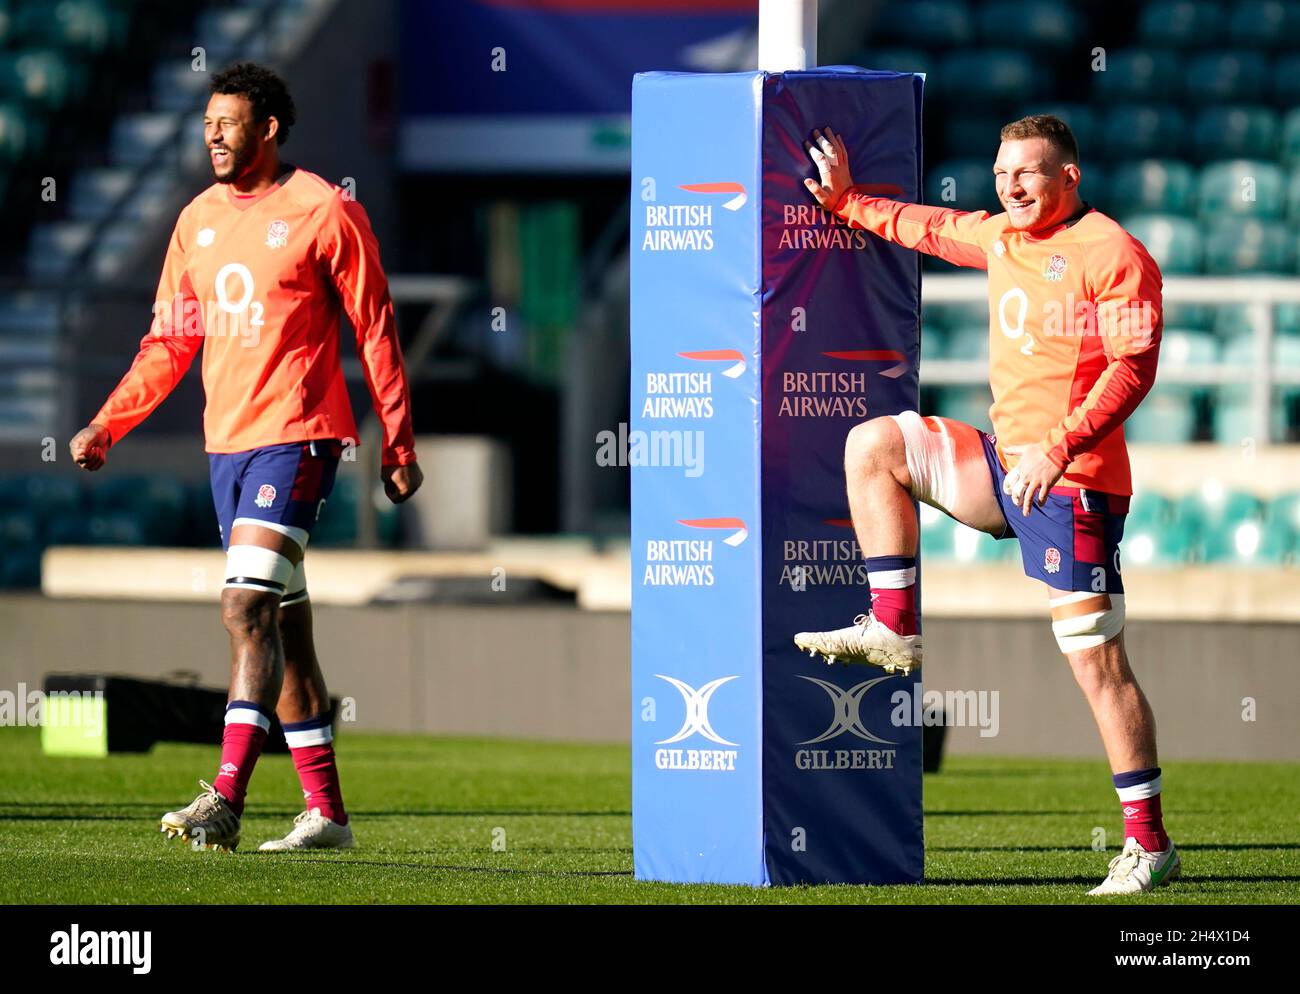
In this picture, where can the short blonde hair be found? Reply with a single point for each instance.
(1053, 129)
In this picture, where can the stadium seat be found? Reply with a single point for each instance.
(968, 342)
(158, 504)
(1149, 508)
(974, 135)
(1236, 76)
(1263, 23)
(1143, 131)
(177, 87)
(1146, 74)
(1236, 132)
(986, 74)
(48, 79)
(1286, 81)
(20, 567)
(1293, 195)
(1241, 186)
(1180, 23)
(1181, 314)
(1159, 186)
(969, 182)
(1166, 416)
(20, 133)
(897, 59)
(1289, 140)
(1232, 415)
(1081, 118)
(1181, 348)
(1247, 245)
(928, 23)
(955, 314)
(934, 342)
(87, 26)
(1149, 543)
(137, 138)
(1036, 23)
(54, 249)
(970, 405)
(50, 497)
(95, 193)
(1174, 242)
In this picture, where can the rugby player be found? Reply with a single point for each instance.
(1074, 333)
(259, 267)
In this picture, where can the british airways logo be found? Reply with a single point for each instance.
(688, 562)
(689, 227)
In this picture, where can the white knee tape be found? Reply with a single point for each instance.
(931, 461)
(299, 535)
(296, 591)
(1087, 631)
(250, 567)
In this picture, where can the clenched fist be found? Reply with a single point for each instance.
(400, 482)
(89, 447)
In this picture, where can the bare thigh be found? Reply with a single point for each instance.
(948, 471)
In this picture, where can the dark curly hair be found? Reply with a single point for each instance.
(264, 89)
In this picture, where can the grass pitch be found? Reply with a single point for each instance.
(426, 812)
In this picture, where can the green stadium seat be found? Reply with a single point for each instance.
(957, 313)
(1289, 142)
(159, 504)
(897, 59)
(50, 498)
(936, 533)
(974, 135)
(1286, 81)
(1281, 542)
(1166, 416)
(20, 567)
(1146, 74)
(337, 525)
(1037, 23)
(20, 133)
(1144, 131)
(967, 182)
(1149, 508)
(1180, 23)
(1233, 412)
(1236, 132)
(20, 527)
(1159, 186)
(1242, 186)
(928, 23)
(1237, 76)
(984, 74)
(1174, 242)
(1082, 119)
(1183, 347)
(46, 78)
(1150, 543)
(83, 25)
(1237, 542)
(969, 342)
(1293, 196)
(1247, 245)
(1182, 314)
(1263, 23)
(969, 405)
(934, 342)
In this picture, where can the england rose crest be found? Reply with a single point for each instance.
(1055, 269)
(277, 234)
(1052, 560)
(265, 495)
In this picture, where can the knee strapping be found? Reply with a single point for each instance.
(251, 567)
(1090, 629)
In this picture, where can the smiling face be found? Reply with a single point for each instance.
(1037, 188)
(237, 142)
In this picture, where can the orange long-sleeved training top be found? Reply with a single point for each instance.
(1075, 319)
(257, 282)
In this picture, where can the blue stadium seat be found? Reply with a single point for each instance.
(1236, 76)
(992, 74)
(87, 26)
(1180, 23)
(973, 135)
(1144, 131)
(1246, 245)
(969, 182)
(1263, 23)
(1251, 188)
(158, 505)
(1174, 242)
(54, 249)
(95, 192)
(137, 138)
(1236, 132)
(1286, 81)
(1146, 74)
(20, 567)
(928, 23)
(1035, 23)
(1159, 186)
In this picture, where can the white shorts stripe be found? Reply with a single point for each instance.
(299, 535)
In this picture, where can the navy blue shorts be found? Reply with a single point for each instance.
(1070, 542)
(283, 485)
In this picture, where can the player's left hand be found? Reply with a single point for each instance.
(400, 482)
(1031, 479)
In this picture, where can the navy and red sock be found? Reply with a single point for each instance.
(241, 743)
(893, 592)
(1139, 798)
(311, 743)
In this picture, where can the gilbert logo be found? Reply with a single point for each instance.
(734, 204)
(696, 722)
(733, 356)
(77, 948)
(739, 532)
(846, 719)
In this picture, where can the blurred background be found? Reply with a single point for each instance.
(489, 141)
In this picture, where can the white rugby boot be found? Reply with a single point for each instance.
(868, 641)
(312, 830)
(1135, 870)
(208, 822)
